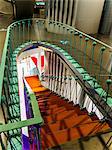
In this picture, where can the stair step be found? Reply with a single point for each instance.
(67, 106)
(57, 117)
(43, 100)
(67, 123)
(47, 112)
(93, 127)
(62, 103)
(65, 135)
(53, 107)
(49, 99)
(57, 138)
(55, 110)
(48, 106)
(44, 94)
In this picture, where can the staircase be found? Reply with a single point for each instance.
(62, 121)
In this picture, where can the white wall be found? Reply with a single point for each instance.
(89, 15)
(86, 14)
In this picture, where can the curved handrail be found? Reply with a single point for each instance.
(90, 37)
(83, 33)
(11, 27)
(24, 30)
(83, 79)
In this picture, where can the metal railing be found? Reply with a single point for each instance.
(92, 55)
(64, 76)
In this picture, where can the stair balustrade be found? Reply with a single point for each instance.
(79, 69)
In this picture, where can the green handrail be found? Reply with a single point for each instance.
(60, 25)
(21, 32)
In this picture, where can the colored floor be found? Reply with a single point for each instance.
(63, 121)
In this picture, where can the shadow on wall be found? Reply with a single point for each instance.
(106, 20)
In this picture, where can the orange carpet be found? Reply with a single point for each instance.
(35, 84)
(63, 121)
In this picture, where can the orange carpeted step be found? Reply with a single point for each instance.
(92, 128)
(67, 123)
(60, 137)
(56, 110)
(55, 138)
(59, 116)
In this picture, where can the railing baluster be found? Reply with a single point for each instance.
(82, 96)
(101, 61)
(67, 83)
(70, 80)
(74, 90)
(29, 24)
(49, 72)
(54, 72)
(60, 77)
(19, 33)
(109, 81)
(64, 36)
(85, 52)
(15, 36)
(64, 81)
(75, 45)
(71, 43)
(68, 48)
(57, 74)
(6, 95)
(23, 26)
(80, 41)
(54, 36)
(92, 58)
(51, 75)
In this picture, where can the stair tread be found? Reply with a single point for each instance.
(62, 136)
(67, 123)
(60, 116)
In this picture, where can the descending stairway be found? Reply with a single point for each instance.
(62, 121)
